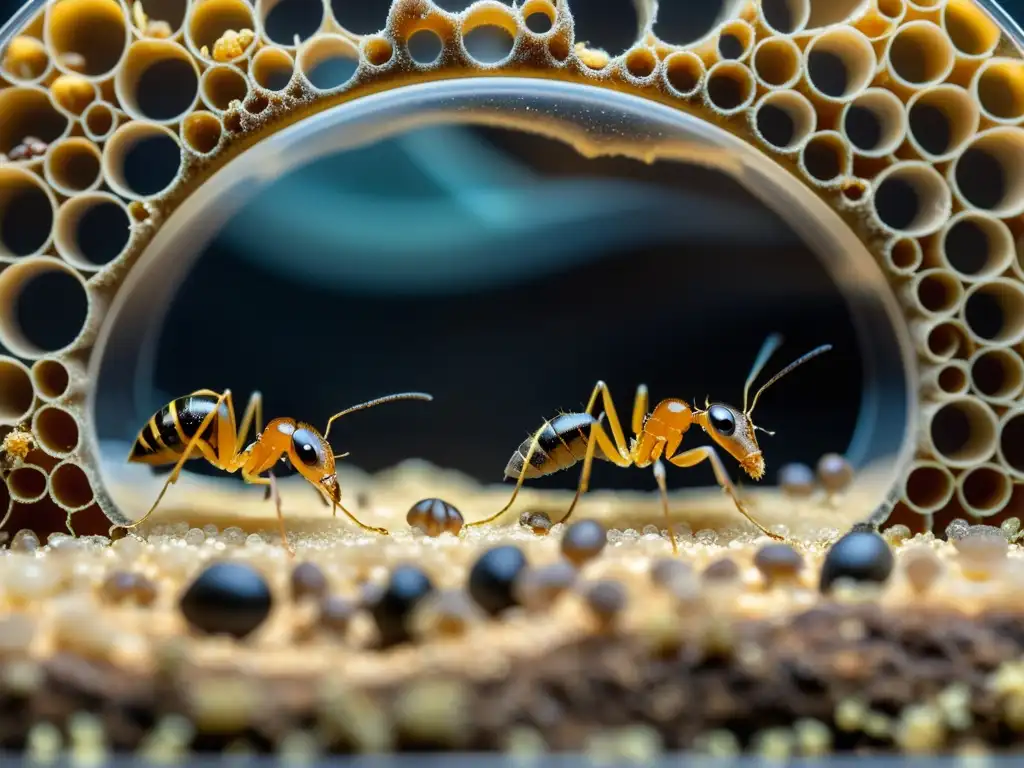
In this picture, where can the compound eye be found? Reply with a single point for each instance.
(722, 420)
(307, 448)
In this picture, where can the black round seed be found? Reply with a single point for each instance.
(538, 522)
(720, 571)
(796, 480)
(308, 581)
(434, 517)
(778, 562)
(393, 608)
(227, 599)
(583, 541)
(859, 556)
(492, 577)
(834, 472)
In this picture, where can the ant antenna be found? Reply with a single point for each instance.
(771, 344)
(789, 368)
(377, 401)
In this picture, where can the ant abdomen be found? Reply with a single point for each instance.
(562, 443)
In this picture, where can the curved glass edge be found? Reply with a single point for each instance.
(20, 18)
(1002, 17)
(611, 115)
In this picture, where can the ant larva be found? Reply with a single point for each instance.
(569, 438)
(202, 426)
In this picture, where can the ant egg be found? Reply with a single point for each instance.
(796, 480)
(835, 473)
(434, 517)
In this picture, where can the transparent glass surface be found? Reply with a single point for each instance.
(596, 124)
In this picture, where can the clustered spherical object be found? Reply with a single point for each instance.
(905, 117)
(861, 557)
(227, 599)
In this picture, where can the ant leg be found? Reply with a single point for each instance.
(598, 437)
(640, 403)
(659, 476)
(360, 523)
(253, 410)
(534, 446)
(695, 456)
(194, 443)
(272, 488)
(621, 446)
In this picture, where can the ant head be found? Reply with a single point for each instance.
(307, 451)
(733, 429)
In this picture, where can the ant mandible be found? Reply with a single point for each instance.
(202, 425)
(570, 438)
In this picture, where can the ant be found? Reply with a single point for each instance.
(570, 438)
(202, 425)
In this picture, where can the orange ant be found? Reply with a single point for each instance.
(204, 423)
(570, 438)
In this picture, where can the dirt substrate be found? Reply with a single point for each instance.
(593, 638)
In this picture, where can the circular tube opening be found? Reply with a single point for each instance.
(56, 429)
(17, 395)
(994, 311)
(684, 73)
(989, 175)
(51, 378)
(141, 160)
(1011, 442)
(158, 81)
(72, 166)
(875, 122)
(784, 120)
(26, 213)
(99, 121)
(942, 120)
(201, 132)
(929, 487)
(984, 491)
(777, 62)
(272, 69)
(976, 246)
(998, 87)
(28, 292)
(840, 63)
(911, 199)
(784, 17)
(328, 62)
(729, 87)
(920, 54)
(27, 484)
(880, 443)
(29, 117)
(92, 230)
(70, 487)
(971, 31)
(997, 374)
(95, 32)
(222, 85)
(825, 158)
(963, 432)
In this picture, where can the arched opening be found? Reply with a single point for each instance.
(504, 263)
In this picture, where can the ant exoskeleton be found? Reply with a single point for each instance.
(202, 425)
(570, 438)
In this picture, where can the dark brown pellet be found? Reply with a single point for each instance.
(434, 517)
(583, 541)
(308, 581)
